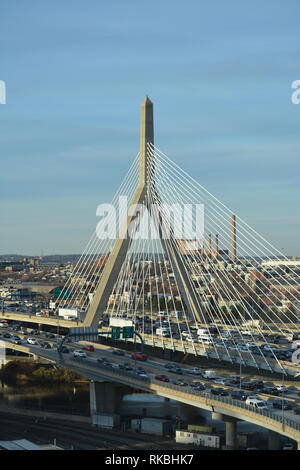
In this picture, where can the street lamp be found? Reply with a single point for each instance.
(282, 400)
(240, 375)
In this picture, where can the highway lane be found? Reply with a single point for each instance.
(221, 352)
(153, 366)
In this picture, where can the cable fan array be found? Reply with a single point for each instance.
(181, 291)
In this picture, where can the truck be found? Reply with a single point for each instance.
(154, 426)
(68, 313)
(106, 420)
(209, 374)
(202, 331)
(162, 332)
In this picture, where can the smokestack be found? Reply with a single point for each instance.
(233, 239)
(217, 245)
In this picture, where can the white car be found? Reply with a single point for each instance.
(195, 371)
(288, 446)
(79, 353)
(221, 381)
(256, 403)
(32, 341)
(142, 375)
(281, 387)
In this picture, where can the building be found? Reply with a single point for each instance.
(198, 438)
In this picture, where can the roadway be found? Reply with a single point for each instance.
(228, 354)
(92, 369)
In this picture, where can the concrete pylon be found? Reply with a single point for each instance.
(231, 429)
(118, 254)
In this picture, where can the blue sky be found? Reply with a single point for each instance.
(219, 74)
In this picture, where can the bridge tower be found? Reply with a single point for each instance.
(122, 245)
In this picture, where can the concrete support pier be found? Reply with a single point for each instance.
(231, 429)
(106, 396)
(273, 440)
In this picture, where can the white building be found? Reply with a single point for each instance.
(198, 438)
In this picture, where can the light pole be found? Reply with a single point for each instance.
(282, 400)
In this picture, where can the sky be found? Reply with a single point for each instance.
(219, 75)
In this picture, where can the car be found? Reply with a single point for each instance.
(171, 365)
(176, 370)
(239, 395)
(32, 341)
(197, 386)
(194, 371)
(256, 402)
(221, 381)
(34, 332)
(64, 349)
(107, 364)
(88, 347)
(79, 353)
(49, 335)
(6, 335)
(162, 378)
(180, 382)
(269, 390)
(219, 391)
(45, 344)
(121, 366)
(127, 366)
(297, 410)
(118, 352)
(15, 337)
(282, 404)
(139, 356)
(200, 388)
(281, 388)
(288, 446)
(16, 341)
(234, 380)
(248, 386)
(143, 375)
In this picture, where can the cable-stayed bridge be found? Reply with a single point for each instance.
(185, 271)
(171, 259)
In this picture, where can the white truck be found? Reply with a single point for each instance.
(162, 332)
(68, 313)
(209, 374)
(202, 331)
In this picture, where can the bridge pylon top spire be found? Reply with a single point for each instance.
(146, 137)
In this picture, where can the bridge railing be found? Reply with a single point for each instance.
(192, 393)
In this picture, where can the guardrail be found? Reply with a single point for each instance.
(192, 394)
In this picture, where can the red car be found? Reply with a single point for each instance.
(162, 378)
(88, 347)
(139, 356)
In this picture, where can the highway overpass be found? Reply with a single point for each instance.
(222, 408)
